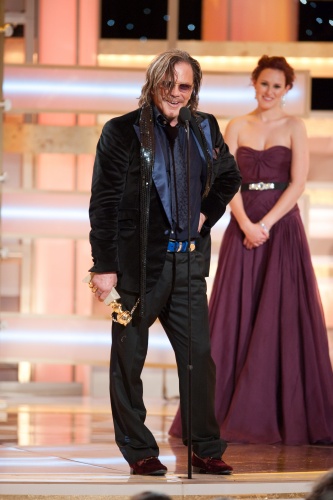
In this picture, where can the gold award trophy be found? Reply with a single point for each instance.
(118, 314)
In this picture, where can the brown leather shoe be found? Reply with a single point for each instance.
(150, 466)
(210, 465)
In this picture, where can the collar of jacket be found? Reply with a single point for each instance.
(195, 123)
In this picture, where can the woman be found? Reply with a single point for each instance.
(268, 334)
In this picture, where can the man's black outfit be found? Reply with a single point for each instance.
(132, 223)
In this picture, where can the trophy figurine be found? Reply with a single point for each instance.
(118, 314)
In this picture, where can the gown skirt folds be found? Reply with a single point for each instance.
(274, 380)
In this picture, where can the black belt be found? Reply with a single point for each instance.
(264, 186)
(180, 246)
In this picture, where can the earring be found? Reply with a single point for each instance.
(283, 100)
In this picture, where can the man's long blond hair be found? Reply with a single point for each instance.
(163, 68)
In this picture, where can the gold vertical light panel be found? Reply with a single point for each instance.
(68, 34)
(249, 20)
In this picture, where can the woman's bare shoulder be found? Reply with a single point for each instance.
(238, 122)
(295, 122)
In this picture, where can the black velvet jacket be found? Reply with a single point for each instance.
(115, 202)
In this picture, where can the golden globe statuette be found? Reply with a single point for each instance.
(118, 314)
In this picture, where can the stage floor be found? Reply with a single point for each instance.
(64, 447)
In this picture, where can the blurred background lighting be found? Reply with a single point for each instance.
(37, 213)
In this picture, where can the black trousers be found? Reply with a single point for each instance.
(168, 301)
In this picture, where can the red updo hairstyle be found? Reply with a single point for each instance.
(274, 62)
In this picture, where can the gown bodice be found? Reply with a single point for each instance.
(268, 165)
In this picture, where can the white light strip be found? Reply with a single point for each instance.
(227, 95)
(219, 94)
(68, 89)
(107, 90)
(43, 213)
(49, 461)
(77, 338)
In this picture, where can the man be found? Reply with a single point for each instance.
(139, 237)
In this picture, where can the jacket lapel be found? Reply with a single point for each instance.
(160, 176)
(203, 137)
(206, 130)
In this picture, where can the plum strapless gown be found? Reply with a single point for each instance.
(274, 381)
